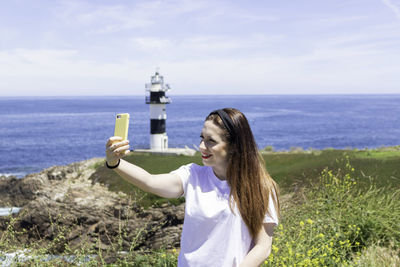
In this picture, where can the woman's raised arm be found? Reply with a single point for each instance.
(166, 185)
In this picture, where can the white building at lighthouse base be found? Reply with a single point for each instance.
(186, 151)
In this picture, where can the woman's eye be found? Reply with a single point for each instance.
(207, 140)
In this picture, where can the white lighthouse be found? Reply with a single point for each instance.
(155, 96)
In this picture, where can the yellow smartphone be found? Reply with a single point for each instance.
(122, 125)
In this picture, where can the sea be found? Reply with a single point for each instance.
(39, 132)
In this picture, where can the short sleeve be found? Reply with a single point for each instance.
(272, 217)
(184, 174)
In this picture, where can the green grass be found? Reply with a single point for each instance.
(382, 153)
(289, 170)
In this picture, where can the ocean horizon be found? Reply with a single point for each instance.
(37, 132)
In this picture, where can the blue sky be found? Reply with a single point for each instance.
(82, 47)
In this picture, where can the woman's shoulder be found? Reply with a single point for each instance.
(198, 168)
(193, 168)
(192, 173)
(199, 171)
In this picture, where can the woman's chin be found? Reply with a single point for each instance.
(206, 162)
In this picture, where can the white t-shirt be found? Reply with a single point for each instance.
(212, 235)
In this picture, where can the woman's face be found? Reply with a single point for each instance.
(213, 146)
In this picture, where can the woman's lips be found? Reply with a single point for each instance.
(205, 156)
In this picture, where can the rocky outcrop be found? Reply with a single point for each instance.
(63, 209)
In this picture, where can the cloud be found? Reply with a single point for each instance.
(227, 12)
(103, 19)
(64, 72)
(328, 69)
(28, 63)
(7, 34)
(117, 17)
(202, 47)
(393, 7)
(151, 43)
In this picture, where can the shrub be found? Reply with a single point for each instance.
(296, 149)
(335, 220)
(269, 148)
(377, 256)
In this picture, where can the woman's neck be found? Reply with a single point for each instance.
(220, 172)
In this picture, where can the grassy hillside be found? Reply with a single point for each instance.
(382, 166)
(341, 208)
(289, 169)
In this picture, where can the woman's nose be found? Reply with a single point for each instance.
(202, 145)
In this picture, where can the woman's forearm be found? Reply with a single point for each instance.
(134, 175)
(166, 185)
(256, 256)
(262, 248)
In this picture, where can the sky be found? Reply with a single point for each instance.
(100, 48)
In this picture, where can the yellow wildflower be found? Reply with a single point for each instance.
(290, 251)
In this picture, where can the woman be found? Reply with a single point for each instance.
(231, 202)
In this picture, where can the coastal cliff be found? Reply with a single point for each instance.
(63, 201)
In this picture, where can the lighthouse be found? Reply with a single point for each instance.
(155, 96)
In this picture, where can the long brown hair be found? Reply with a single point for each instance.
(250, 183)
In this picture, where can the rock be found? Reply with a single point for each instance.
(166, 238)
(61, 207)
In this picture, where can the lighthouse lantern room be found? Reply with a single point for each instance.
(155, 96)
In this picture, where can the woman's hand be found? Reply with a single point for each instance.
(116, 149)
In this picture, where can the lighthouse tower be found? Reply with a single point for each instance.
(155, 96)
